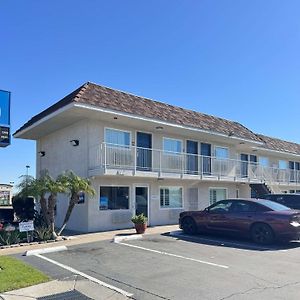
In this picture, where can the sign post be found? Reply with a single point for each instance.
(25, 227)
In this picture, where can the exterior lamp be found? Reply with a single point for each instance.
(74, 142)
(42, 153)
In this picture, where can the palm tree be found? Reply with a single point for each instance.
(74, 185)
(39, 188)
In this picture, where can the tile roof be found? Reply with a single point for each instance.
(104, 97)
(279, 145)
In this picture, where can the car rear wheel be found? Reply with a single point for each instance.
(189, 226)
(262, 234)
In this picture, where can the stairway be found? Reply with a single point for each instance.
(259, 189)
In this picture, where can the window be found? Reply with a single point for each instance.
(172, 145)
(282, 164)
(263, 161)
(114, 197)
(217, 194)
(222, 207)
(117, 137)
(221, 153)
(243, 206)
(171, 197)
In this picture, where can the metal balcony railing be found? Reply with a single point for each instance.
(109, 156)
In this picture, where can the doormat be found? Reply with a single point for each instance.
(71, 295)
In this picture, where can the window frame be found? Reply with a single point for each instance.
(120, 130)
(120, 209)
(171, 152)
(217, 188)
(221, 147)
(182, 197)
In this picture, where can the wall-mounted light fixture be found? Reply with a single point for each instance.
(159, 128)
(74, 142)
(115, 118)
(42, 153)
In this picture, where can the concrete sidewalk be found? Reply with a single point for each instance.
(88, 238)
(71, 284)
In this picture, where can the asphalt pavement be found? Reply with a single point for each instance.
(161, 266)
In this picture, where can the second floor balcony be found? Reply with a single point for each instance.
(136, 161)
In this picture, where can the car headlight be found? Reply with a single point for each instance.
(295, 223)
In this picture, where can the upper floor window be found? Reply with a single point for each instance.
(263, 161)
(117, 137)
(221, 152)
(172, 145)
(282, 164)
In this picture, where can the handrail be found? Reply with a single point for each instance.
(108, 155)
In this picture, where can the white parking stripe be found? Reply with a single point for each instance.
(93, 279)
(175, 255)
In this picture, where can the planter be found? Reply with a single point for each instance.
(140, 228)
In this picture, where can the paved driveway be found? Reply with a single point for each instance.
(181, 267)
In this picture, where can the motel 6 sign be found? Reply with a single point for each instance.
(4, 118)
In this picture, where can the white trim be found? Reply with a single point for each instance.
(217, 188)
(116, 185)
(86, 106)
(135, 185)
(117, 129)
(136, 147)
(222, 147)
(275, 151)
(52, 115)
(171, 186)
(174, 139)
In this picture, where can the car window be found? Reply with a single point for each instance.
(221, 207)
(243, 206)
(273, 205)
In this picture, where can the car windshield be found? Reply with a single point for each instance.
(273, 205)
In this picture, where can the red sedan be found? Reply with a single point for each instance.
(262, 220)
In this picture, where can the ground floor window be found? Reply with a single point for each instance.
(171, 197)
(217, 194)
(114, 197)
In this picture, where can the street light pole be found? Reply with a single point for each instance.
(27, 168)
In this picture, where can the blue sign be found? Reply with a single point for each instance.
(4, 108)
(103, 203)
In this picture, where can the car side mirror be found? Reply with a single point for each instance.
(206, 209)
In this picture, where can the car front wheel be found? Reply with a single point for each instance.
(262, 234)
(189, 226)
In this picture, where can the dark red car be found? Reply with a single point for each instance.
(262, 220)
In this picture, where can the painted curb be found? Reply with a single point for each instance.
(45, 250)
(119, 239)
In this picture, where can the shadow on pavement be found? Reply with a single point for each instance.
(231, 242)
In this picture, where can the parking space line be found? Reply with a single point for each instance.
(174, 255)
(93, 279)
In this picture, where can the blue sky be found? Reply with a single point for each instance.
(235, 59)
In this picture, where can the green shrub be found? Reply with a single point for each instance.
(139, 219)
(42, 233)
(9, 237)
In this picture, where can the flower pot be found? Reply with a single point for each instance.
(140, 228)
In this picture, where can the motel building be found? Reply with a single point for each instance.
(147, 156)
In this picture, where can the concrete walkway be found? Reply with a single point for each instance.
(74, 283)
(88, 238)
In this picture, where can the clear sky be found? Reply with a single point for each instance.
(239, 60)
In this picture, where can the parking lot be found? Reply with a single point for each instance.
(182, 267)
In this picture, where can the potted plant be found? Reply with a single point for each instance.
(140, 223)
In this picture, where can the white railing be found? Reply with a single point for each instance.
(133, 158)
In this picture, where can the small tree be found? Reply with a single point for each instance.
(40, 189)
(74, 185)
